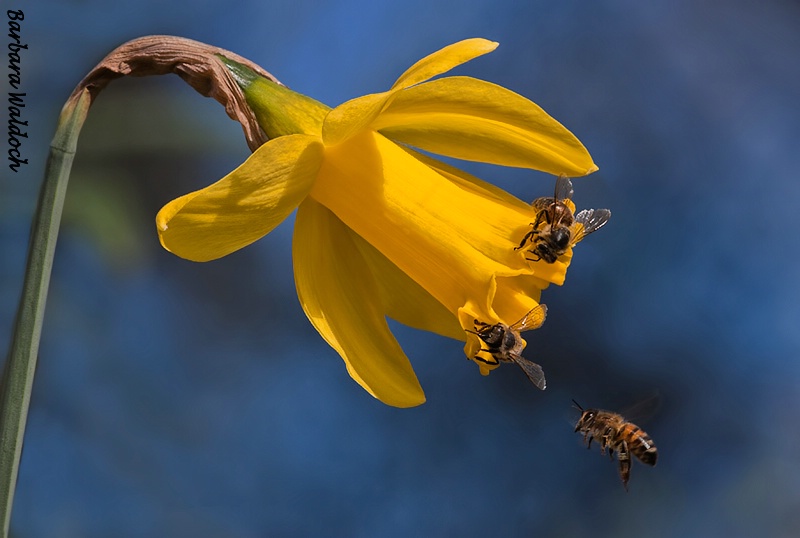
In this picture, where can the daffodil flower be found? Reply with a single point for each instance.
(381, 229)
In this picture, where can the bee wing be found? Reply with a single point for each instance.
(532, 370)
(644, 409)
(532, 320)
(590, 220)
(563, 188)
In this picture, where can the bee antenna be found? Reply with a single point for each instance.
(577, 405)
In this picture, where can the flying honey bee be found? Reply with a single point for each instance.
(556, 229)
(504, 343)
(618, 435)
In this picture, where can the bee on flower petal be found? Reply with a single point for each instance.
(616, 434)
(556, 229)
(504, 343)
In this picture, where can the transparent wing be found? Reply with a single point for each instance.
(590, 221)
(532, 320)
(644, 409)
(532, 370)
(563, 188)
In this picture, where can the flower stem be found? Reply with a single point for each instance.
(17, 380)
(197, 64)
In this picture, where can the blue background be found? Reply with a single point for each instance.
(182, 399)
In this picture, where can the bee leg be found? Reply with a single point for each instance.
(482, 326)
(541, 215)
(527, 237)
(624, 464)
(606, 440)
(486, 361)
(534, 260)
(535, 231)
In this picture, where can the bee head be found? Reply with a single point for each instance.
(560, 237)
(492, 335)
(546, 251)
(587, 417)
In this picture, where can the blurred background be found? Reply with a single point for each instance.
(183, 399)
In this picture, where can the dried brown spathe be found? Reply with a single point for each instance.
(195, 62)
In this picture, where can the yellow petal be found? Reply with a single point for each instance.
(515, 297)
(347, 119)
(476, 120)
(403, 299)
(449, 239)
(351, 117)
(550, 273)
(245, 205)
(444, 60)
(341, 299)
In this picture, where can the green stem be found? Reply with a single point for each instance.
(17, 381)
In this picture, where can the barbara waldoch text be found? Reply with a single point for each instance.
(17, 128)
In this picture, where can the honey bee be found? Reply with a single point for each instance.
(556, 228)
(504, 343)
(618, 435)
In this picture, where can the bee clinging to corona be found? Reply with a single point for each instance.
(616, 434)
(556, 229)
(504, 343)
